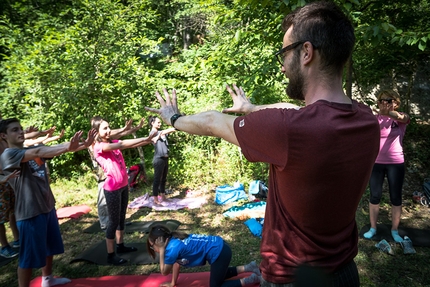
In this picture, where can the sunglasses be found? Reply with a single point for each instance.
(280, 55)
(389, 101)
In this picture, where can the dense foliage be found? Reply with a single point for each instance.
(66, 61)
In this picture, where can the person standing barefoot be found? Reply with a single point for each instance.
(161, 158)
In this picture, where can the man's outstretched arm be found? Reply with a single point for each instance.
(210, 123)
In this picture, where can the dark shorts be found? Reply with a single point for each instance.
(39, 237)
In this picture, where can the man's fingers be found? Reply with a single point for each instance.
(154, 110)
(229, 89)
(174, 98)
(242, 92)
(237, 90)
(160, 99)
(167, 96)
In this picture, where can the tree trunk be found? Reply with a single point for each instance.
(142, 157)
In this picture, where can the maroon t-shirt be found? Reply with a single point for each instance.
(321, 157)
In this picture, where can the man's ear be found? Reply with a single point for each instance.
(308, 53)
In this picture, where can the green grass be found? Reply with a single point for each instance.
(375, 268)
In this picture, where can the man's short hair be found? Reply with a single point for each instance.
(5, 123)
(327, 28)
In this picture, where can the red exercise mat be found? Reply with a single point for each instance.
(198, 279)
(105, 281)
(73, 211)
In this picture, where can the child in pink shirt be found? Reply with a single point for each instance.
(108, 154)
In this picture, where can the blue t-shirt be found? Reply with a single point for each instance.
(194, 250)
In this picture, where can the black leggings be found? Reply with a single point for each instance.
(161, 167)
(116, 202)
(395, 175)
(220, 270)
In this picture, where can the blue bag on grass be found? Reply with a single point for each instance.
(225, 193)
(254, 226)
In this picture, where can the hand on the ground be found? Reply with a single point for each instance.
(168, 108)
(167, 284)
(241, 103)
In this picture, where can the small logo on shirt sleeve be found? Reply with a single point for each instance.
(242, 123)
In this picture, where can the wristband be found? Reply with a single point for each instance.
(174, 118)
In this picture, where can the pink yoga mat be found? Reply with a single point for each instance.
(198, 279)
(73, 211)
(105, 281)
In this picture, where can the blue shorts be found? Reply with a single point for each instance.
(40, 237)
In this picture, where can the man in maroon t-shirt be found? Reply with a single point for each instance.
(320, 155)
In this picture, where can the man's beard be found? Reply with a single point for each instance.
(296, 81)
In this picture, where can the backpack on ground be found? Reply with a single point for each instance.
(136, 174)
(258, 188)
(425, 197)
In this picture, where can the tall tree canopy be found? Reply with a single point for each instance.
(66, 61)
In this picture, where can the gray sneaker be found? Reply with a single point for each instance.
(384, 246)
(408, 247)
(8, 252)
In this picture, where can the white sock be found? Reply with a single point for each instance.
(48, 281)
(254, 278)
(252, 267)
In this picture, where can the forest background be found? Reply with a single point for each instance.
(63, 62)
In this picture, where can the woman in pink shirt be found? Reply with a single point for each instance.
(108, 154)
(390, 161)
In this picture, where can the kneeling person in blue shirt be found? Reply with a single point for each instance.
(190, 250)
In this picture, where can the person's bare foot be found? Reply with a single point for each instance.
(163, 196)
(156, 200)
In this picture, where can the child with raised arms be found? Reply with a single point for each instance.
(107, 153)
